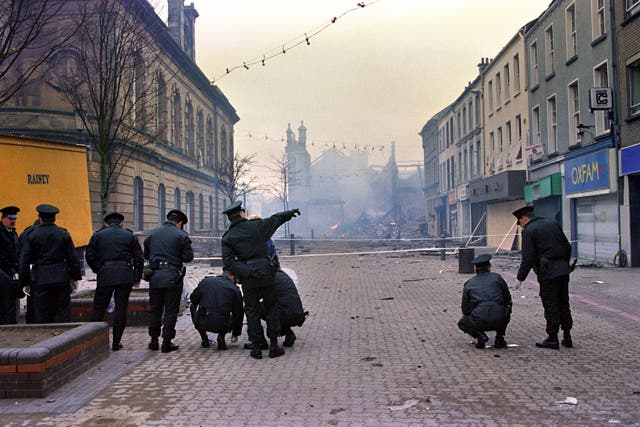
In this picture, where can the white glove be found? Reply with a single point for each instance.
(519, 285)
(27, 290)
(74, 286)
(234, 339)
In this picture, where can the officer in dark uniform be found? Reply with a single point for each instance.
(486, 304)
(29, 315)
(115, 255)
(244, 252)
(216, 306)
(289, 307)
(9, 266)
(546, 250)
(167, 248)
(48, 263)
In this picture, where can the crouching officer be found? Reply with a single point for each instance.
(216, 306)
(244, 252)
(115, 255)
(9, 265)
(48, 263)
(486, 304)
(289, 307)
(167, 248)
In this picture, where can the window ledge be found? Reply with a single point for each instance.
(550, 76)
(534, 88)
(632, 119)
(571, 60)
(599, 39)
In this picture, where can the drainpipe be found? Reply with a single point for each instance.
(615, 126)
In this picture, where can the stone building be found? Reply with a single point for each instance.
(174, 163)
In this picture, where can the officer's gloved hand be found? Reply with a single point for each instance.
(27, 290)
(519, 285)
(74, 286)
(234, 338)
(295, 212)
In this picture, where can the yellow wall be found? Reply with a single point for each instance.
(500, 220)
(34, 172)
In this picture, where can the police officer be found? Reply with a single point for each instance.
(9, 265)
(289, 307)
(115, 255)
(167, 248)
(486, 304)
(48, 263)
(244, 252)
(216, 306)
(546, 250)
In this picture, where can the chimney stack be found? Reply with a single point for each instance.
(181, 23)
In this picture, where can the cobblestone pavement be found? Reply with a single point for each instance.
(381, 347)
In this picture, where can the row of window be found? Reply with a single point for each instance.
(468, 164)
(196, 221)
(501, 92)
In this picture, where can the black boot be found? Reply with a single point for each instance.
(222, 345)
(500, 342)
(289, 339)
(116, 346)
(153, 345)
(261, 346)
(566, 339)
(274, 350)
(205, 343)
(256, 353)
(482, 340)
(550, 342)
(168, 346)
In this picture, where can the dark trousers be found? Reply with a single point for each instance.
(30, 316)
(473, 326)
(252, 296)
(165, 304)
(7, 300)
(205, 338)
(554, 294)
(51, 303)
(101, 300)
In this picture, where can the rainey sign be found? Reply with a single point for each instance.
(587, 173)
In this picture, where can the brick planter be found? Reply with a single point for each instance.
(37, 370)
(137, 310)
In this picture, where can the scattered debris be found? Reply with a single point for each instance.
(612, 421)
(386, 298)
(377, 365)
(512, 345)
(336, 410)
(368, 358)
(568, 401)
(412, 280)
(598, 282)
(406, 405)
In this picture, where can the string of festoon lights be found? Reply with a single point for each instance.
(301, 40)
(316, 143)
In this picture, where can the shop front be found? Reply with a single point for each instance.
(630, 170)
(545, 196)
(590, 182)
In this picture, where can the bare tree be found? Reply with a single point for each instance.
(235, 178)
(29, 37)
(109, 85)
(287, 175)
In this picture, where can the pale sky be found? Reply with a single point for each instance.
(375, 76)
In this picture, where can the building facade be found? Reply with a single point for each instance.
(569, 54)
(174, 163)
(627, 34)
(505, 106)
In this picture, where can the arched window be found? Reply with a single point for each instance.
(162, 204)
(161, 107)
(189, 128)
(190, 211)
(138, 204)
(201, 212)
(138, 89)
(176, 201)
(223, 145)
(200, 147)
(211, 213)
(209, 145)
(176, 122)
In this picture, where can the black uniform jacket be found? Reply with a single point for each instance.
(9, 251)
(289, 305)
(115, 255)
(545, 248)
(216, 306)
(486, 297)
(51, 251)
(244, 248)
(166, 248)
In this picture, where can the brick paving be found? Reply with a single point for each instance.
(381, 347)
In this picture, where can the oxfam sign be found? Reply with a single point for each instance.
(587, 173)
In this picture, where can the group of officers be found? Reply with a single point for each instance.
(486, 300)
(42, 264)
